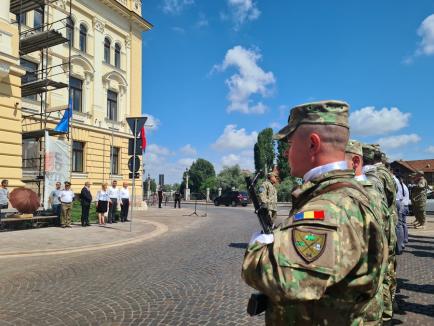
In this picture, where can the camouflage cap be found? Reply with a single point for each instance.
(368, 151)
(315, 113)
(354, 147)
(272, 173)
(420, 172)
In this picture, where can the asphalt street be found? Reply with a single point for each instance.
(187, 276)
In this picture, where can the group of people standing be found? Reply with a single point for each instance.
(332, 261)
(107, 201)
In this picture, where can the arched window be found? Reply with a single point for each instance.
(117, 55)
(83, 37)
(107, 50)
(70, 30)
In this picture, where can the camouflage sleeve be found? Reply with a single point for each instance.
(263, 194)
(308, 255)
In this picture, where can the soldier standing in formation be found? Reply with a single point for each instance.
(418, 199)
(268, 195)
(354, 157)
(382, 179)
(322, 265)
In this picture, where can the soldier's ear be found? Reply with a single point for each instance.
(314, 143)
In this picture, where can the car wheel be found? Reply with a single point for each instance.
(233, 203)
(216, 203)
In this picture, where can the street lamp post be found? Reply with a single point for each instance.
(148, 192)
(187, 190)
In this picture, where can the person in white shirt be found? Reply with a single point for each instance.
(113, 193)
(4, 195)
(56, 205)
(66, 197)
(402, 202)
(102, 200)
(124, 195)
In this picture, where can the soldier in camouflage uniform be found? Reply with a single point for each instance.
(354, 158)
(321, 265)
(382, 179)
(268, 195)
(418, 199)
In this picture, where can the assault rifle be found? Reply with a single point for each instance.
(258, 301)
(261, 212)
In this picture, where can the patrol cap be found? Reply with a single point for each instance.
(368, 151)
(354, 147)
(272, 173)
(316, 113)
(420, 172)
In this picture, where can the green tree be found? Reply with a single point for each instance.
(200, 171)
(284, 189)
(231, 177)
(282, 161)
(153, 185)
(264, 151)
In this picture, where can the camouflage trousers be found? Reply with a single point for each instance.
(389, 288)
(273, 215)
(419, 212)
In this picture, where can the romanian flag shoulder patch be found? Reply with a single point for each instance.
(309, 215)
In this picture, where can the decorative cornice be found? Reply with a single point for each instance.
(128, 42)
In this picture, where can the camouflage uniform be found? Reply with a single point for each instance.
(374, 311)
(268, 198)
(324, 266)
(383, 181)
(418, 199)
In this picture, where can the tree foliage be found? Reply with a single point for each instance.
(231, 177)
(200, 171)
(264, 150)
(282, 161)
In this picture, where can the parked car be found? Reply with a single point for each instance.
(232, 198)
(429, 204)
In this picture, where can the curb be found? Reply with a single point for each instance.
(159, 229)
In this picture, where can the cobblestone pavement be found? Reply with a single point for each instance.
(190, 275)
(416, 278)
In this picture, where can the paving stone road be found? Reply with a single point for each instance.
(188, 276)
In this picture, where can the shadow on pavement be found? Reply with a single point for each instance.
(238, 245)
(425, 288)
(420, 236)
(415, 246)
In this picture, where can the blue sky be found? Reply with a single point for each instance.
(216, 72)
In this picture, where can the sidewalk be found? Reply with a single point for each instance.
(55, 240)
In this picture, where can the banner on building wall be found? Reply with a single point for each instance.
(57, 165)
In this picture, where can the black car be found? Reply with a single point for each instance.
(232, 198)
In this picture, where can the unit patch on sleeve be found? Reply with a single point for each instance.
(308, 245)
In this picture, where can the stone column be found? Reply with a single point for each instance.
(4, 11)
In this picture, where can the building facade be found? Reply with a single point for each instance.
(103, 70)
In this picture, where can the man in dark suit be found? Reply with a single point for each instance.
(86, 199)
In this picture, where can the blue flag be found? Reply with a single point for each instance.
(63, 125)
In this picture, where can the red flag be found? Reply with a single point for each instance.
(143, 136)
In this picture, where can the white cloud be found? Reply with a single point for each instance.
(250, 80)
(242, 11)
(398, 141)
(430, 149)
(158, 150)
(202, 21)
(426, 32)
(275, 125)
(186, 161)
(233, 138)
(175, 7)
(178, 30)
(368, 121)
(188, 150)
(230, 160)
(152, 123)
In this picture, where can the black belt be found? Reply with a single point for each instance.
(66, 202)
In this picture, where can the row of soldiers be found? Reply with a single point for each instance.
(333, 260)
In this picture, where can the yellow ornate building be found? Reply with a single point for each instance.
(103, 70)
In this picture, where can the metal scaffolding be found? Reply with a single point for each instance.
(39, 82)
